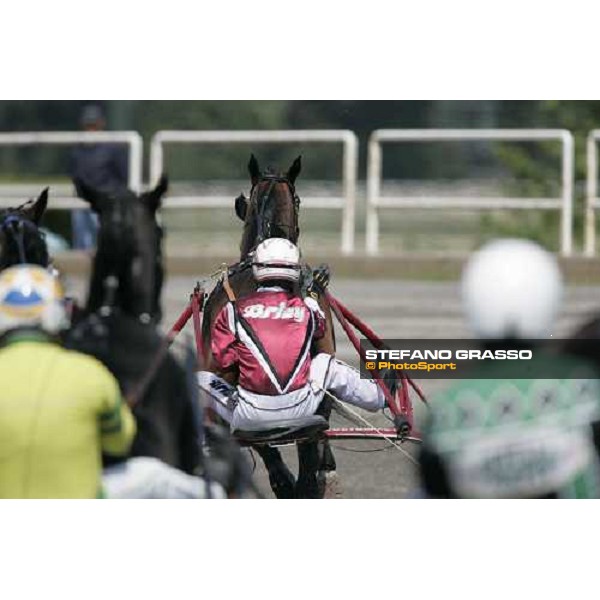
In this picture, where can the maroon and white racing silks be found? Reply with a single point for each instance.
(268, 335)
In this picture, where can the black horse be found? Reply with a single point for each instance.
(129, 251)
(273, 211)
(119, 324)
(21, 240)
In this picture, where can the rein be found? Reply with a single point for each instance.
(401, 407)
(136, 393)
(377, 342)
(194, 311)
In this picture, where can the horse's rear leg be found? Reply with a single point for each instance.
(307, 485)
(329, 481)
(326, 458)
(281, 479)
(327, 475)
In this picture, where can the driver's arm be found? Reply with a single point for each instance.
(318, 315)
(117, 425)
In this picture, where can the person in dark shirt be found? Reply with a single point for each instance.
(102, 166)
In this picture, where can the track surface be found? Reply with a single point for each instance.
(393, 309)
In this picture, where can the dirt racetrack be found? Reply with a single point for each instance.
(393, 308)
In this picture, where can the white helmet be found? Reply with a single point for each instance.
(31, 297)
(511, 288)
(276, 258)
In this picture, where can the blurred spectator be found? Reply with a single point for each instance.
(103, 166)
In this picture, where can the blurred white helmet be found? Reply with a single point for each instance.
(276, 258)
(30, 296)
(511, 288)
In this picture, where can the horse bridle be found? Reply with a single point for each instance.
(15, 225)
(264, 223)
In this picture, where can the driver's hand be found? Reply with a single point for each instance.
(320, 279)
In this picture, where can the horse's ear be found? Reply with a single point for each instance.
(241, 207)
(294, 170)
(96, 199)
(154, 197)
(254, 170)
(34, 209)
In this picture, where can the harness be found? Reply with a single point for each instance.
(226, 285)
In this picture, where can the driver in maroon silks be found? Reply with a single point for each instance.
(264, 340)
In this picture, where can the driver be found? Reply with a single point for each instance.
(61, 409)
(506, 436)
(263, 342)
(58, 409)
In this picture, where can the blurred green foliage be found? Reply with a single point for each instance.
(534, 169)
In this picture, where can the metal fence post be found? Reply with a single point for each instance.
(346, 203)
(375, 200)
(591, 196)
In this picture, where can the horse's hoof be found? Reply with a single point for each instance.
(283, 483)
(308, 489)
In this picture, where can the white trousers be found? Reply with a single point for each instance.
(246, 410)
(145, 477)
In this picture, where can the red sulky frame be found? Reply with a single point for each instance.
(400, 405)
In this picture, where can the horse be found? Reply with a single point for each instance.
(129, 250)
(21, 240)
(119, 325)
(272, 210)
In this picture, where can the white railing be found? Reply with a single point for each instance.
(374, 178)
(592, 202)
(49, 138)
(346, 203)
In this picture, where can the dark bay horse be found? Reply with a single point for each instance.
(119, 323)
(21, 240)
(272, 210)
